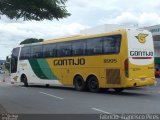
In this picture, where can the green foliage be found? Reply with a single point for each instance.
(31, 40)
(34, 9)
(7, 63)
(7, 66)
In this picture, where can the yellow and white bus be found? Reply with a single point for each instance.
(118, 60)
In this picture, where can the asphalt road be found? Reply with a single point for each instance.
(16, 99)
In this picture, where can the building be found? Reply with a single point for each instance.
(104, 28)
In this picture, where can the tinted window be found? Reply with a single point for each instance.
(36, 51)
(112, 44)
(14, 60)
(78, 47)
(94, 46)
(25, 53)
(64, 49)
(49, 50)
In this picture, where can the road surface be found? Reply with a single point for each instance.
(36, 99)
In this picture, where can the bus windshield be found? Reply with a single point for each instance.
(14, 60)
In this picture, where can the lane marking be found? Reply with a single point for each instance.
(52, 95)
(99, 110)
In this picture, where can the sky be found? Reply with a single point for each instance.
(84, 14)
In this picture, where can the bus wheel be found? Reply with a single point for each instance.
(25, 81)
(79, 83)
(93, 84)
(118, 90)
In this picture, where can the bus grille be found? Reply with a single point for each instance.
(113, 76)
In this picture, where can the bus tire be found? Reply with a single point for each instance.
(118, 90)
(25, 81)
(93, 84)
(79, 83)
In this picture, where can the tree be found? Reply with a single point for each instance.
(7, 63)
(34, 9)
(31, 40)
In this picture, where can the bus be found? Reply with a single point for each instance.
(114, 60)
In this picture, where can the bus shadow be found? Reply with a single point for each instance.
(139, 92)
(125, 93)
(52, 87)
(128, 92)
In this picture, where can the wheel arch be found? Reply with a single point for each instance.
(22, 75)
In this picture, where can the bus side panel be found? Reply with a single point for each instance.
(94, 65)
(117, 75)
(37, 72)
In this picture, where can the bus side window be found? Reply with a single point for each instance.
(25, 53)
(50, 50)
(112, 44)
(78, 48)
(94, 46)
(64, 49)
(36, 51)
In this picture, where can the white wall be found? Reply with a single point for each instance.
(104, 28)
(154, 29)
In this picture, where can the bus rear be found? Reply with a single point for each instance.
(139, 65)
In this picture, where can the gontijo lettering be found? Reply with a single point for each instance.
(61, 62)
(141, 53)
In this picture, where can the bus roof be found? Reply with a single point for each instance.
(82, 36)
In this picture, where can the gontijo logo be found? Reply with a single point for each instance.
(141, 54)
(141, 37)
